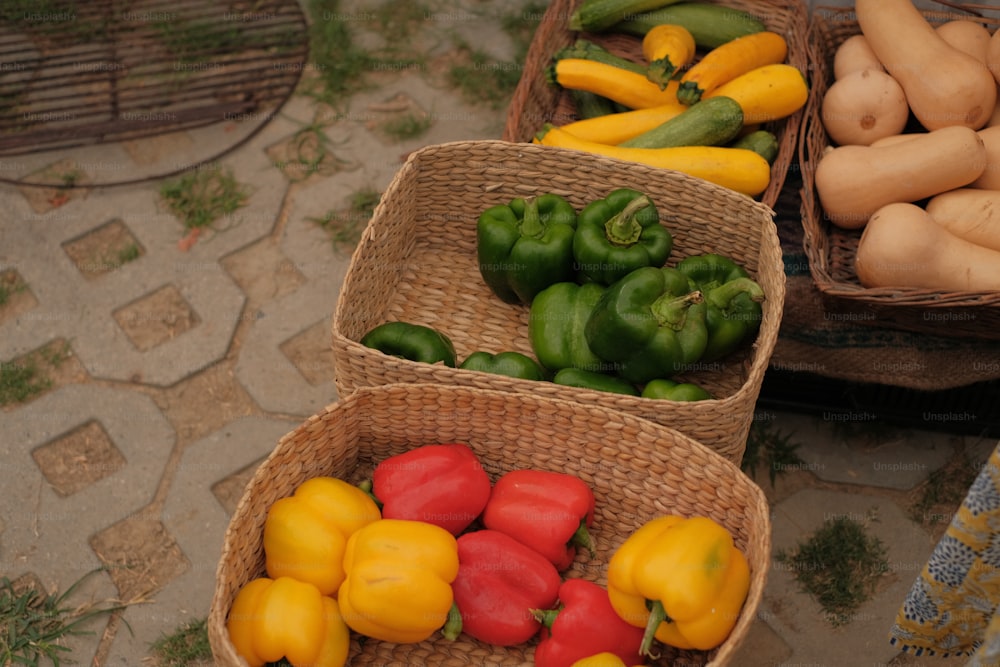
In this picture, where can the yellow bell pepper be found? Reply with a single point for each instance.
(280, 618)
(601, 660)
(690, 573)
(398, 585)
(305, 534)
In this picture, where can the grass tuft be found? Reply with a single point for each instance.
(346, 226)
(839, 565)
(20, 381)
(768, 447)
(34, 624)
(200, 197)
(10, 284)
(407, 126)
(188, 643)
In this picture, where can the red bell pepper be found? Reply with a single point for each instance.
(585, 624)
(442, 484)
(500, 581)
(548, 511)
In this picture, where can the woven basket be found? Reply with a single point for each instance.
(831, 250)
(536, 101)
(638, 470)
(416, 262)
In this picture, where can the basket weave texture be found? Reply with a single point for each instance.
(417, 262)
(638, 470)
(831, 250)
(536, 101)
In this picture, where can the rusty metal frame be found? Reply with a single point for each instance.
(78, 73)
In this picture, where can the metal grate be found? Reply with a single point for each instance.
(95, 71)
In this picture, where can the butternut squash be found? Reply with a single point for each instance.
(990, 178)
(738, 169)
(854, 55)
(968, 213)
(995, 117)
(943, 85)
(895, 139)
(766, 93)
(854, 181)
(902, 246)
(993, 56)
(864, 106)
(966, 36)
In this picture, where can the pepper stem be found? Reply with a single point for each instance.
(366, 486)
(722, 296)
(671, 311)
(545, 616)
(657, 615)
(531, 222)
(581, 538)
(622, 228)
(453, 626)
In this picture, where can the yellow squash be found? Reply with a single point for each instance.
(730, 60)
(667, 48)
(766, 93)
(684, 580)
(398, 584)
(738, 169)
(614, 128)
(626, 87)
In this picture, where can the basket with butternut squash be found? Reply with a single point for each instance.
(900, 157)
(715, 89)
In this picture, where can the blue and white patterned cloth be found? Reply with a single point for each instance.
(952, 608)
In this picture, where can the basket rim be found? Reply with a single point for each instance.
(816, 230)
(753, 496)
(771, 264)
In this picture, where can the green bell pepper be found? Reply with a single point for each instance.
(733, 300)
(581, 379)
(415, 342)
(510, 363)
(670, 390)
(618, 234)
(651, 324)
(526, 245)
(556, 321)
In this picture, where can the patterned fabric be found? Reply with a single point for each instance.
(952, 608)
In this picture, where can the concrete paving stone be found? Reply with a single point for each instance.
(798, 618)
(268, 375)
(195, 518)
(762, 647)
(47, 530)
(853, 448)
(47, 533)
(83, 313)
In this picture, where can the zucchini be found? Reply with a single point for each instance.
(710, 25)
(599, 15)
(761, 142)
(587, 50)
(590, 105)
(711, 122)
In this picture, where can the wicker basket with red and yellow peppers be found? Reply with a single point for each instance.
(429, 544)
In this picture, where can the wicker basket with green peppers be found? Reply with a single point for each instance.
(605, 312)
